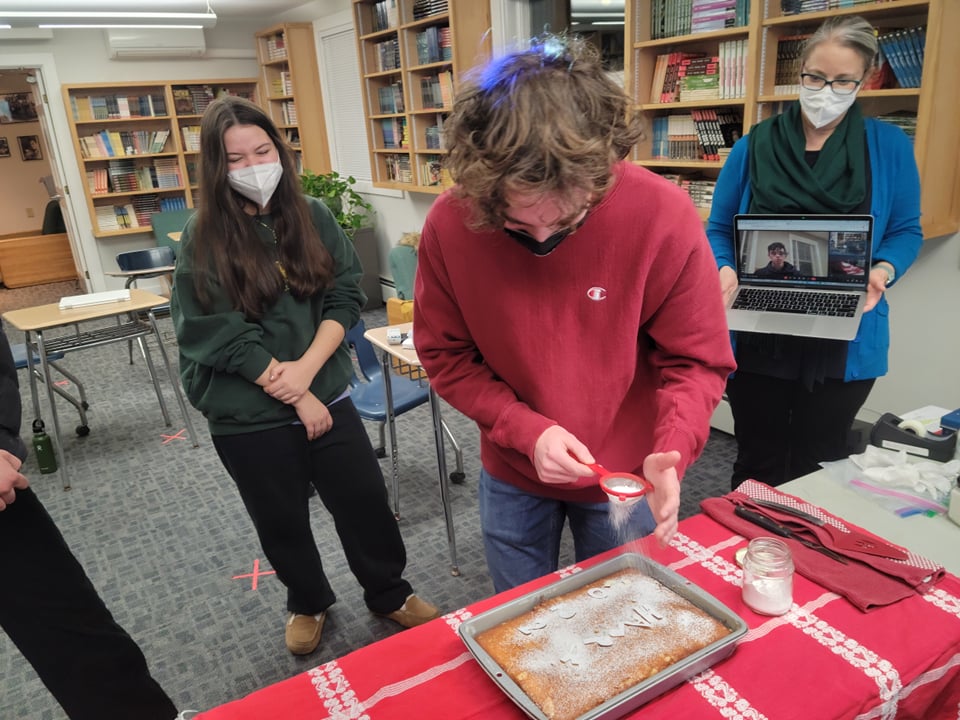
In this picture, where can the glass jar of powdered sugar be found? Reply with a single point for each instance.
(768, 576)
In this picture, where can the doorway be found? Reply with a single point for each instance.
(38, 243)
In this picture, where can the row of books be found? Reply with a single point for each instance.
(387, 55)
(795, 7)
(117, 107)
(192, 100)
(672, 18)
(786, 79)
(137, 212)
(191, 138)
(433, 135)
(391, 98)
(903, 50)
(398, 168)
(699, 189)
(282, 84)
(394, 133)
(431, 171)
(426, 8)
(288, 112)
(385, 14)
(434, 45)
(119, 143)
(436, 91)
(906, 120)
(686, 77)
(124, 176)
(276, 47)
(699, 135)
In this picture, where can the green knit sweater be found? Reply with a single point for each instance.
(222, 352)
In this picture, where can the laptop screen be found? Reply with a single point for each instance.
(816, 251)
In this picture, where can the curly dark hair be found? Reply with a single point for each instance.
(543, 120)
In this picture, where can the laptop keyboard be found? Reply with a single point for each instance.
(797, 302)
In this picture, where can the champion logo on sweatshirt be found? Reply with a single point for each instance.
(597, 293)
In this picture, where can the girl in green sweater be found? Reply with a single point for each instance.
(266, 286)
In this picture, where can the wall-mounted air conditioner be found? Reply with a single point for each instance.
(134, 43)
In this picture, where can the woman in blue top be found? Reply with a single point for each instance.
(795, 399)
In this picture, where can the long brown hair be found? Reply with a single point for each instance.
(543, 120)
(227, 248)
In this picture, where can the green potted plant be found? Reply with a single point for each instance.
(337, 193)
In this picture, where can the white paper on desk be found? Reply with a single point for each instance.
(97, 298)
(408, 341)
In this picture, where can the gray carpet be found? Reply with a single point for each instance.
(162, 533)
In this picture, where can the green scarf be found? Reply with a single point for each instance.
(781, 181)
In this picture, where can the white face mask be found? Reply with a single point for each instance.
(824, 106)
(256, 182)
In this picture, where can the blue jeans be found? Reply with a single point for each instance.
(521, 531)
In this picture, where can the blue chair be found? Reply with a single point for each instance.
(370, 398)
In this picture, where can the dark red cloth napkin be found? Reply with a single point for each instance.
(867, 581)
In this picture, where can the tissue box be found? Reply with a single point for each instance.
(951, 420)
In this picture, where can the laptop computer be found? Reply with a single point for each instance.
(804, 275)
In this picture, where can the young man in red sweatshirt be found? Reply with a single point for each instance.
(566, 301)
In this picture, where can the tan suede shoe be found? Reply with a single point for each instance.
(413, 612)
(303, 632)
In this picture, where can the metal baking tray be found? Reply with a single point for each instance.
(639, 694)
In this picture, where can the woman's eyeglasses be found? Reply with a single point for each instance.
(839, 87)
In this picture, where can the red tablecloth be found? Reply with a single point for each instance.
(824, 659)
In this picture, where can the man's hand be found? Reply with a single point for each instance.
(664, 501)
(288, 381)
(555, 457)
(10, 478)
(314, 415)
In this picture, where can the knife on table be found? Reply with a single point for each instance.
(783, 531)
(849, 540)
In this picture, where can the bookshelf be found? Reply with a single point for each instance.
(291, 95)
(935, 102)
(412, 53)
(131, 142)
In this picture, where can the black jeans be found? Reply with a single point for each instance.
(53, 614)
(273, 470)
(785, 431)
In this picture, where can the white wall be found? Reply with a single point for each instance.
(925, 335)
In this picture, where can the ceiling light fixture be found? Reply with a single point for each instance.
(86, 19)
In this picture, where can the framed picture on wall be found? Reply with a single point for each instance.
(17, 107)
(30, 147)
(4, 148)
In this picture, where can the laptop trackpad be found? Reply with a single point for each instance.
(785, 325)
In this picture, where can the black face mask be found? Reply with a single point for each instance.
(533, 245)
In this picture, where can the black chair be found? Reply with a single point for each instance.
(136, 265)
(370, 398)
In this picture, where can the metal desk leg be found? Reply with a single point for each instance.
(51, 396)
(391, 422)
(34, 395)
(174, 380)
(444, 487)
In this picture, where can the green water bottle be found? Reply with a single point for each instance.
(43, 446)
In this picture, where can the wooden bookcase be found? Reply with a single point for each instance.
(412, 54)
(132, 141)
(936, 102)
(291, 92)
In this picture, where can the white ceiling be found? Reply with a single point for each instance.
(223, 8)
(228, 8)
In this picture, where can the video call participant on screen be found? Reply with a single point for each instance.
(778, 265)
